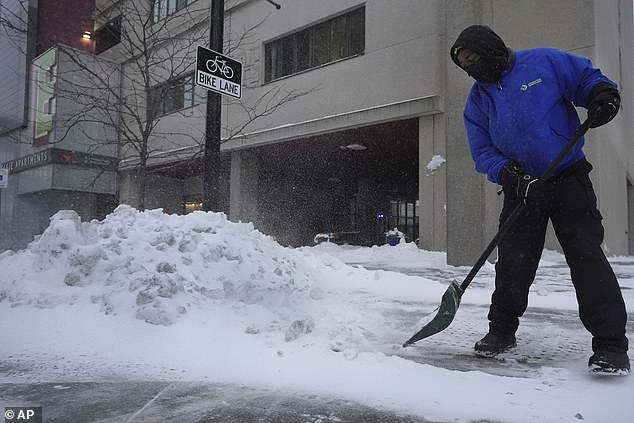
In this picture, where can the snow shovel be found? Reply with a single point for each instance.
(451, 298)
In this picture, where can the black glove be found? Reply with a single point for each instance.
(604, 103)
(509, 177)
(527, 187)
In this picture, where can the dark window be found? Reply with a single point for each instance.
(164, 8)
(321, 45)
(172, 96)
(302, 40)
(339, 38)
(326, 42)
(108, 35)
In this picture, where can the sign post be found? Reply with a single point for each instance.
(211, 160)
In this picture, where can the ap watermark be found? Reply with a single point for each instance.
(22, 414)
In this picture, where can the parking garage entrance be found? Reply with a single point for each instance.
(356, 184)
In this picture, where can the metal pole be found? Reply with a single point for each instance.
(211, 165)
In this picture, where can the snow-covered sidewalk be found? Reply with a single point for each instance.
(155, 297)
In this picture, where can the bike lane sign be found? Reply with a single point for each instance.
(218, 72)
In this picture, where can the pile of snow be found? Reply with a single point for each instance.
(158, 268)
(154, 265)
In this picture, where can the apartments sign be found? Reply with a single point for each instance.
(29, 161)
(59, 156)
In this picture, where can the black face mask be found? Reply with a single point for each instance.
(484, 71)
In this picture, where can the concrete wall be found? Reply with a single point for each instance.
(432, 184)
(610, 146)
(399, 63)
(14, 56)
(627, 94)
(87, 95)
(86, 115)
(466, 211)
(244, 187)
(33, 212)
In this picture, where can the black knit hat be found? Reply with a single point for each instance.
(482, 40)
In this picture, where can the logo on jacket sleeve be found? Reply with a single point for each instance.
(525, 87)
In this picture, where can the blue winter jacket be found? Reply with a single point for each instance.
(530, 115)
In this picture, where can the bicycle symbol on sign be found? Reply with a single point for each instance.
(218, 65)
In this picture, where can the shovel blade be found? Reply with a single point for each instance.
(446, 313)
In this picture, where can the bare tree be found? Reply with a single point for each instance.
(142, 89)
(13, 18)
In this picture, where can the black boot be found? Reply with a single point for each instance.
(609, 362)
(494, 343)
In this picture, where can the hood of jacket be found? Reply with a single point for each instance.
(494, 54)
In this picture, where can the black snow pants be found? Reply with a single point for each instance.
(571, 206)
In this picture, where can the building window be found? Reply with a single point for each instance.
(173, 95)
(326, 42)
(108, 35)
(163, 8)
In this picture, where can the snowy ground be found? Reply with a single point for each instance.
(155, 297)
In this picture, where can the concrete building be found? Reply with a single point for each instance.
(58, 154)
(350, 118)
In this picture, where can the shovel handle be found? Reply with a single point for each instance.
(583, 128)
